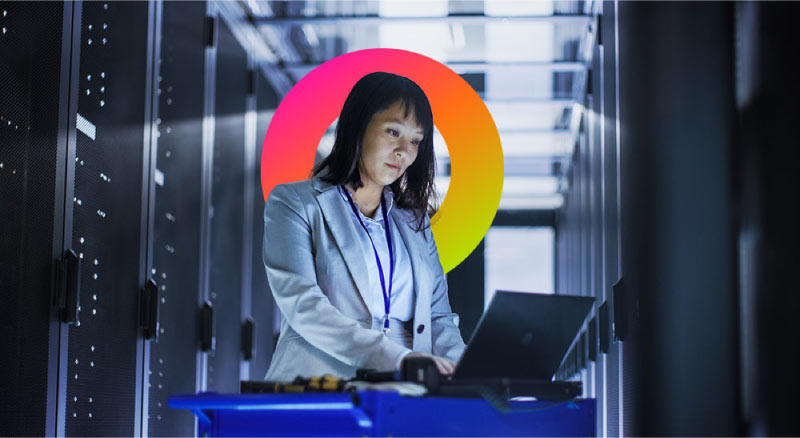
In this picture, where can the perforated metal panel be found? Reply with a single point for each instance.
(176, 243)
(588, 226)
(30, 72)
(101, 370)
(263, 304)
(225, 282)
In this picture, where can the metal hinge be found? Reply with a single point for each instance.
(593, 341)
(248, 329)
(68, 287)
(589, 81)
(604, 341)
(251, 82)
(148, 310)
(211, 32)
(206, 330)
(599, 30)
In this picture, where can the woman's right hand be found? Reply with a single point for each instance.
(443, 365)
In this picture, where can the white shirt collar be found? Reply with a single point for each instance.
(388, 195)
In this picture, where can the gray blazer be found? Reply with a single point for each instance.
(318, 276)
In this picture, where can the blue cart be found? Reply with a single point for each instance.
(381, 413)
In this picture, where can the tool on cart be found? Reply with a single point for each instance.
(425, 379)
(325, 383)
(419, 377)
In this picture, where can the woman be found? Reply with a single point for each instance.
(349, 254)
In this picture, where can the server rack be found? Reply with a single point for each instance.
(677, 215)
(665, 187)
(587, 230)
(35, 99)
(103, 376)
(109, 138)
(227, 203)
(614, 385)
(177, 177)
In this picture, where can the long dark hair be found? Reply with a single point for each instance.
(372, 94)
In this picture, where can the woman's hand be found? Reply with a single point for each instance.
(443, 365)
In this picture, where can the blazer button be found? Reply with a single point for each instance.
(368, 320)
(420, 328)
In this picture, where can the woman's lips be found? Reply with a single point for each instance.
(393, 166)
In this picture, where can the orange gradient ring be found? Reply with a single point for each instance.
(476, 156)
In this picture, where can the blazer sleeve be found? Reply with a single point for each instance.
(445, 335)
(289, 262)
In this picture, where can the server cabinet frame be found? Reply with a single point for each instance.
(176, 212)
(155, 9)
(68, 189)
(62, 229)
(206, 177)
(69, 182)
(226, 238)
(42, 173)
(250, 172)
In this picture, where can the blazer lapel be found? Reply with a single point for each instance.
(337, 216)
(401, 221)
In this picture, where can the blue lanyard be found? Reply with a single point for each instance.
(387, 296)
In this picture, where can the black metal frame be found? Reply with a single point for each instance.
(250, 168)
(207, 174)
(66, 184)
(150, 146)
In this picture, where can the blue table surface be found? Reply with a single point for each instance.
(381, 413)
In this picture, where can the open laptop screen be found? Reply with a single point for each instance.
(523, 336)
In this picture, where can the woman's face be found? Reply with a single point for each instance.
(390, 145)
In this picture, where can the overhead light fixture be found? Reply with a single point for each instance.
(548, 202)
(497, 8)
(530, 185)
(428, 8)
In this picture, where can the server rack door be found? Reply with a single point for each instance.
(101, 388)
(677, 118)
(263, 304)
(227, 201)
(610, 209)
(177, 213)
(33, 96)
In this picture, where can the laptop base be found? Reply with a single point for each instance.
(505, 389)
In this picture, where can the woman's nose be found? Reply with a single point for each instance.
(403, 147)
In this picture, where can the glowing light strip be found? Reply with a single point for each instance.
(86, 127)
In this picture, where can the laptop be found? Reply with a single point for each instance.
(516, 349)
(523, 335)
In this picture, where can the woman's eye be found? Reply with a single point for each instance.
(393, 132)
(415, 142)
